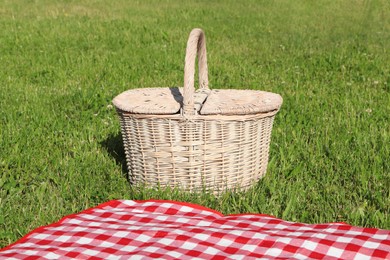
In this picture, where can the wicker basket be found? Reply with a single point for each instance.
(196, 140)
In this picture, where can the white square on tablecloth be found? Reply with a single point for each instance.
(273, 252)
(211, 251)
(62, 238)
(40, 236)
(335, 252)
(121, 234)
(84, 240)
(372, 245)
(52, 255)
(344, 239)
(91, 252)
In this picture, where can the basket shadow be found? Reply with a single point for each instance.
(113, 144)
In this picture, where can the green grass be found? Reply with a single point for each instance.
(62, 62)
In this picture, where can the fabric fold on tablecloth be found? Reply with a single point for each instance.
(124, 229)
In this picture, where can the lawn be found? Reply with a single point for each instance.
(62, 62)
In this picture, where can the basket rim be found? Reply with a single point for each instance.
(246, 117)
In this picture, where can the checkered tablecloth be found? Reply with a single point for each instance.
(124, 229)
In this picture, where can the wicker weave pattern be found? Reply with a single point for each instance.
(199, 154)
(226, 147)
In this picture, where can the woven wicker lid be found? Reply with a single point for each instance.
(240, 102)
(167, 101)
(190, 102)
(150, 101)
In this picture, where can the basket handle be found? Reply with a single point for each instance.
(196, 45)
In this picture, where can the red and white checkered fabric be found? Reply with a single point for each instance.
(124, 229)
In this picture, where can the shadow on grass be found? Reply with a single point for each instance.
(113, 144)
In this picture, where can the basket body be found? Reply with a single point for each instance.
(213, 153)
(196, 140)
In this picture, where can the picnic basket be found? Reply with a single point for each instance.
(203, 140)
